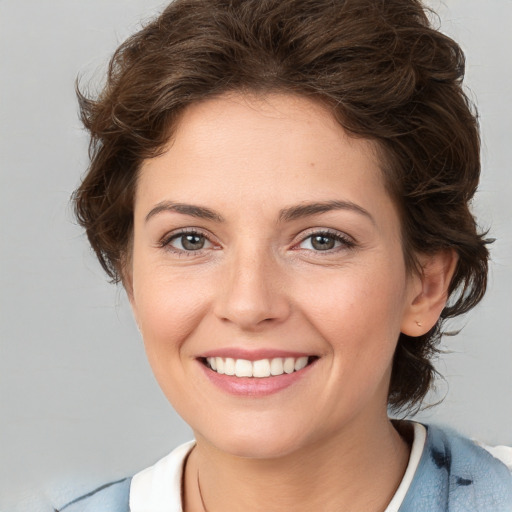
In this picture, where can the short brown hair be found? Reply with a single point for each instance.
(385, 73)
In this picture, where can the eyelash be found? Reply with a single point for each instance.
(345, 241)
(165, 243)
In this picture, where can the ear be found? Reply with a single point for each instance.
(428, 292)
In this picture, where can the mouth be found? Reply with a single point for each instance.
(258, 369)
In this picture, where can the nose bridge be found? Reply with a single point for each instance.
(252, 292)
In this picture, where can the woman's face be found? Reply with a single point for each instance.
(264, 238)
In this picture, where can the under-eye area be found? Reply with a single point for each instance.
(260, 368)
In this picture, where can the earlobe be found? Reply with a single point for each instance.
(429, 292)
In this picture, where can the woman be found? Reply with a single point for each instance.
(282, 187)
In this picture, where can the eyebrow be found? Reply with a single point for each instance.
(286, 215)
(200, 212)
(309, 209)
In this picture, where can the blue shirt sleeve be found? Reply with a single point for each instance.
(111, 497)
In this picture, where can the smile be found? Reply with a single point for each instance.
(260, 368)
(256, 373)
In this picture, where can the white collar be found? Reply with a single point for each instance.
(158, 488)
(418, 444)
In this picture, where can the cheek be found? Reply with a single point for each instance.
(168, 315)
(356, 311)
(359, 321)
(167, 310)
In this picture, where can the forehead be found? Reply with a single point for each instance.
(266, 121)
(250, 141)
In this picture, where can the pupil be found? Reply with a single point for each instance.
(322, 242)
(192, 242)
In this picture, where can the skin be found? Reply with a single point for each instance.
(259, 282)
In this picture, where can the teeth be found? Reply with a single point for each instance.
(276, 366)
(300, 363)
(219, 362)
(243, 368)
(259, 369)
(289, 365)
(229, 366)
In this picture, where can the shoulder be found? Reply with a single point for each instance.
(456, 474)
(450, 450)
(110, 497)
(502, 453)
(146, 490)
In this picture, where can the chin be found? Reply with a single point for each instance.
(257, 441)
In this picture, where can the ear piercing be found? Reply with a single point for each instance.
(419, 324)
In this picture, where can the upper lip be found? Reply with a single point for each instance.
(252, 355)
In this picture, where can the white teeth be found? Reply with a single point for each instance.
(289, 365)
(300, 363)
(259, 369)
(243, 368)
(229, 366)
(276, 366)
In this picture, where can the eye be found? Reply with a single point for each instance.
(325, 241)
(187, 241)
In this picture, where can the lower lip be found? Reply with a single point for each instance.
(254, 386)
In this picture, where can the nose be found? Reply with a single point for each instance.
(252, 294)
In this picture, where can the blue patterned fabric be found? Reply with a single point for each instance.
(111, 497)
(455, 475)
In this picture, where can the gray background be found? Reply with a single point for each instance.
(78, 402)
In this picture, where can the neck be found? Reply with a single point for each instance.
(358, 470)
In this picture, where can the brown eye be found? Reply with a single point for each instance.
(323, 242)
(189, 242)
(192, 242)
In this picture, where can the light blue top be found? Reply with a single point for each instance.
(456, 475)
(453, 475)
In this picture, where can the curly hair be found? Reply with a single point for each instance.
(383, 70)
